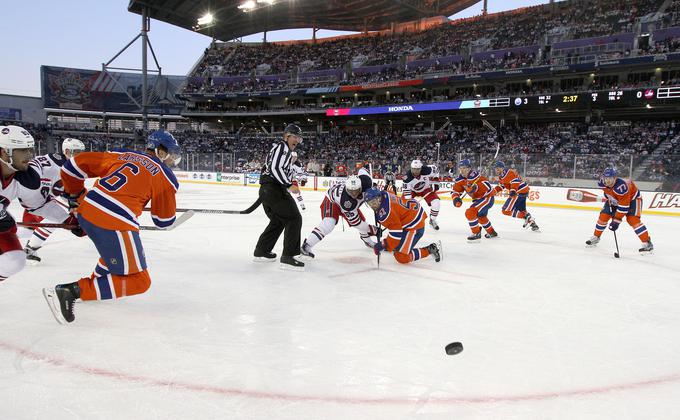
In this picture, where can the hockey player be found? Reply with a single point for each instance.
(518, 190)
(298, 178)
(16, 150)
(479, 189)
(43, 204)
(108, 214)
(405, 221)
(623, 200)
(390, 182)
(423, 181)
(342, 200)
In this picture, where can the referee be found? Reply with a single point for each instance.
(278, 204)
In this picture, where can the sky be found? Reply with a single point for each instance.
(86, 33)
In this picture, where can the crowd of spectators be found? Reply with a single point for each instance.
(535, 27)
(537, 150)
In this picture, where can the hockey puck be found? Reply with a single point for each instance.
(453, 348)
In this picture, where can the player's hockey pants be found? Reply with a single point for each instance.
(404, 245)
(121, 270)
(283, 214)
(632, 217)
(516, 206)
(477, 212)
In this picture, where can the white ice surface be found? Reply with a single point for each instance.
(551, 330)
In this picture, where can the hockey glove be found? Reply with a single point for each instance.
(303, 182)
(78, 231)
(73, 200)
(6, 221)
(614, 224)
(457, 202)
(378, 247)
(513, 193)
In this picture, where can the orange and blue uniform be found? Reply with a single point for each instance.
(516, 204)
(405, 221)
(108, 213)
(623, 200)
(482, 195)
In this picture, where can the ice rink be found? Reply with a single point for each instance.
(551, 330)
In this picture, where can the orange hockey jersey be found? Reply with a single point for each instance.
(128, 180)
(620, 195)
(398, 214)
(477, 190)
(511, 181)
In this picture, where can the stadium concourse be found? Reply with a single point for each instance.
(550, 329)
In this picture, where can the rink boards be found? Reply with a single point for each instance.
(657, 203)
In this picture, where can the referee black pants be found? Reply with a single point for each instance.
(283, 215)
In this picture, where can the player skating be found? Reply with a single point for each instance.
(518, 190)
(423, 181)
(405, 222)
(108, 214)
(479, 189)
(342, 200)
(43, 204)
(16, 151)
(623, 199)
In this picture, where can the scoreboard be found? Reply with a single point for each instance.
(600, 99)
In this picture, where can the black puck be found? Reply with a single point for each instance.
(453, 348)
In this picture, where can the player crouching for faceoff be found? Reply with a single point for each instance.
(405, 222)
(343, 200)
(43, 204)
(423, 181)
(16, 150)
(518, 190)
(623, 200)
(108, 213)
(479, 189)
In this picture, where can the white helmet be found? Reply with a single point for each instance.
(353, 183)
(15, 137)
(416, 164)
(72, 144)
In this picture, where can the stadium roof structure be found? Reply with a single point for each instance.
(231, 19)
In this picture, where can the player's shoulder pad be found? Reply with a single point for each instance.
(366, 182)
(473, 175)
(58, 158)
(620, 186)
(409, 177)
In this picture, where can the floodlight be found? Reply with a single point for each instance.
(206, 19)
(247, 6)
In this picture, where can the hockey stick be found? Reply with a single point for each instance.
(249, 210)
(379, 235)
(180, 220)
(616, 254)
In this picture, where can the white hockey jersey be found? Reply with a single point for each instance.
(298, 173)
(428, 180)
(10, 188)
(48, 167)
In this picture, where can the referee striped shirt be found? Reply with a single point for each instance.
(278, 163)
